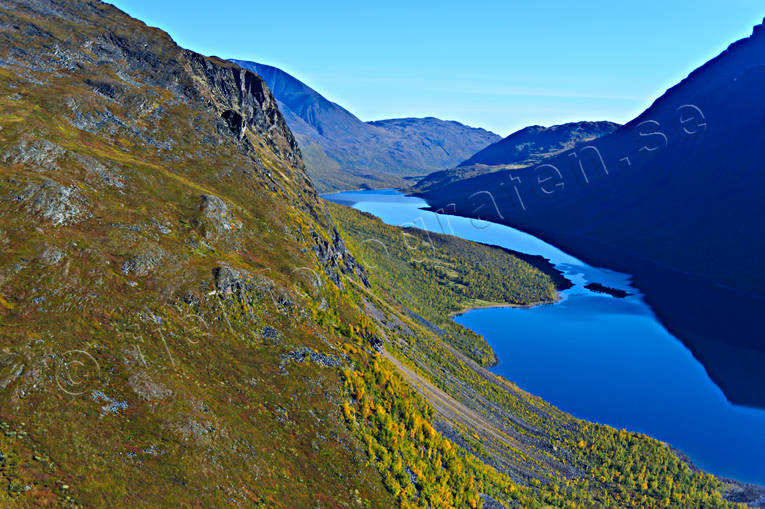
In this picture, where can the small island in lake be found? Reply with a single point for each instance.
(613, 292)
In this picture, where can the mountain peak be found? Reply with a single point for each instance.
(758, 28)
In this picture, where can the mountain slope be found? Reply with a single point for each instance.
(182, 324)
(522, 148)
(321, 115)
(341, 151)
(674, 197)
(153, 210)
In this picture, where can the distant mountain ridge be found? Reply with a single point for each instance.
(341, 151)
(521, 148)
(537, 140)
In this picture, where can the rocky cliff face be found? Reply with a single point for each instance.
(124, 62)
(244, 102)
(119, 64)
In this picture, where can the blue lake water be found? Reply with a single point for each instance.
(597, 357)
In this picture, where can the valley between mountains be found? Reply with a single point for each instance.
(184, 322)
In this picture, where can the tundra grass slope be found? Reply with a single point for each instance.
(181, 323)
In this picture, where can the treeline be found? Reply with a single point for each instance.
(436, 275)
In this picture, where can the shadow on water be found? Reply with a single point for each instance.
(723, 328)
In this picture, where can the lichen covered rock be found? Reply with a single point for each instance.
(216, 219)
(37, 153)
(58, 204)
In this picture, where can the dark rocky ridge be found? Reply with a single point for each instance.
(673, 198)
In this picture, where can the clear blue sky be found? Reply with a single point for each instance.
(500, 65)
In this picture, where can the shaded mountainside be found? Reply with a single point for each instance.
(522, 148)
(182, 324)
(342, 152)
(675, 198)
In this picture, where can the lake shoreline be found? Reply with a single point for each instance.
(636, 332)
(494, 305)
